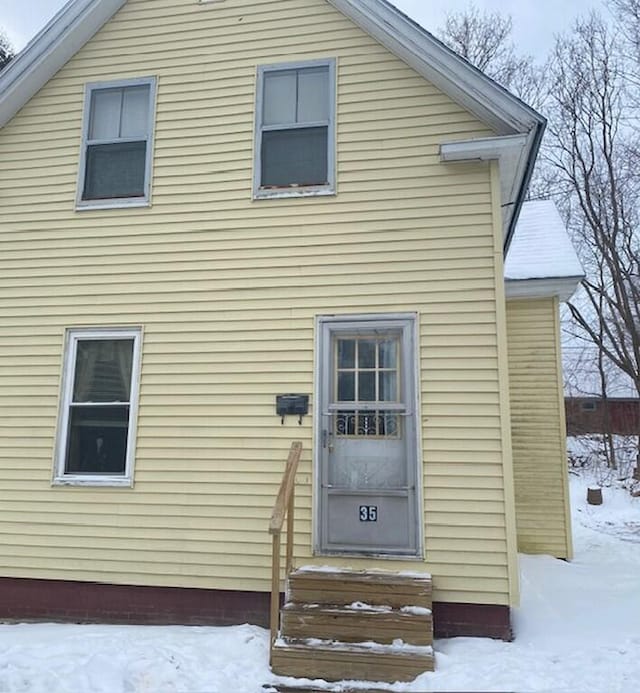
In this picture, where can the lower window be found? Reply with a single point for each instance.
(98, 409)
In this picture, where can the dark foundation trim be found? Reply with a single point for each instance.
(452, 620)
(91, 602)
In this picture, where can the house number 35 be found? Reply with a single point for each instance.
(368, 513)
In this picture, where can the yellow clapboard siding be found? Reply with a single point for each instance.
(227, 291)
(539, 445)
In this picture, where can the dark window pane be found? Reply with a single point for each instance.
(103, 370)
(346, 387)
(388, 353)
(387, 386)
(115, 170)
(97, 442)
(346, 353)
(366, 354)
(294, 157)
(366, 386)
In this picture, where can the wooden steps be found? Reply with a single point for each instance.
(348, 624)
(355, 625)
(345, 587)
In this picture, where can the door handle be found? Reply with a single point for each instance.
(327, 440)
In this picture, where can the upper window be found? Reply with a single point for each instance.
(115, 168)
(295, 129)
(98, 408)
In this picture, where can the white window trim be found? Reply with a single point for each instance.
(307, 190)
(145, 200)
(72, 337)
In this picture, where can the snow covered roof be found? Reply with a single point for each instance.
(541, 259)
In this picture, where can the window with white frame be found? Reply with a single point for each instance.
(295, 129)
(117, 142)
(98, 409)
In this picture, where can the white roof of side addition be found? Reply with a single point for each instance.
(541, 260)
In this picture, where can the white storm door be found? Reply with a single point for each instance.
(367, 437)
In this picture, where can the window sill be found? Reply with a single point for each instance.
(276, 193)
(124, 203)
(109, 481)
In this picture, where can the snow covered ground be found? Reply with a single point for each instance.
(578, 629)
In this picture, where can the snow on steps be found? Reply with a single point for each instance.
(341, 625)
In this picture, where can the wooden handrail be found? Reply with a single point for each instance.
(283, 508)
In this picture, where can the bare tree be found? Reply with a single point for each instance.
(6, 50)
(591, 149)
(627, 13)
(590, 163)
(485, 40)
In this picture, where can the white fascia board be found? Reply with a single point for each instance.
(562, 287)
(51, 48)
(513, 153)
(465, 84)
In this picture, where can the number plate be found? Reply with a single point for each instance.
(368, 513)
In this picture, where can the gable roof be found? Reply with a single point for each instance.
(505, 114)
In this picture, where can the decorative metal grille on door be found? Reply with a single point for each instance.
(366, 373)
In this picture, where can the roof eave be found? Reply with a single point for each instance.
(542, 287)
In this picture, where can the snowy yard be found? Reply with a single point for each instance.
(578, 629)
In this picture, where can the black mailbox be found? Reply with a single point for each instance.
(295, 405)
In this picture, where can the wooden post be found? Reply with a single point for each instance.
(284, 506)
(290, 511)
(275, 587)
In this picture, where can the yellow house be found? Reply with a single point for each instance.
(209, 204)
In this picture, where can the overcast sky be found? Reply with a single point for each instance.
(535, 21)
